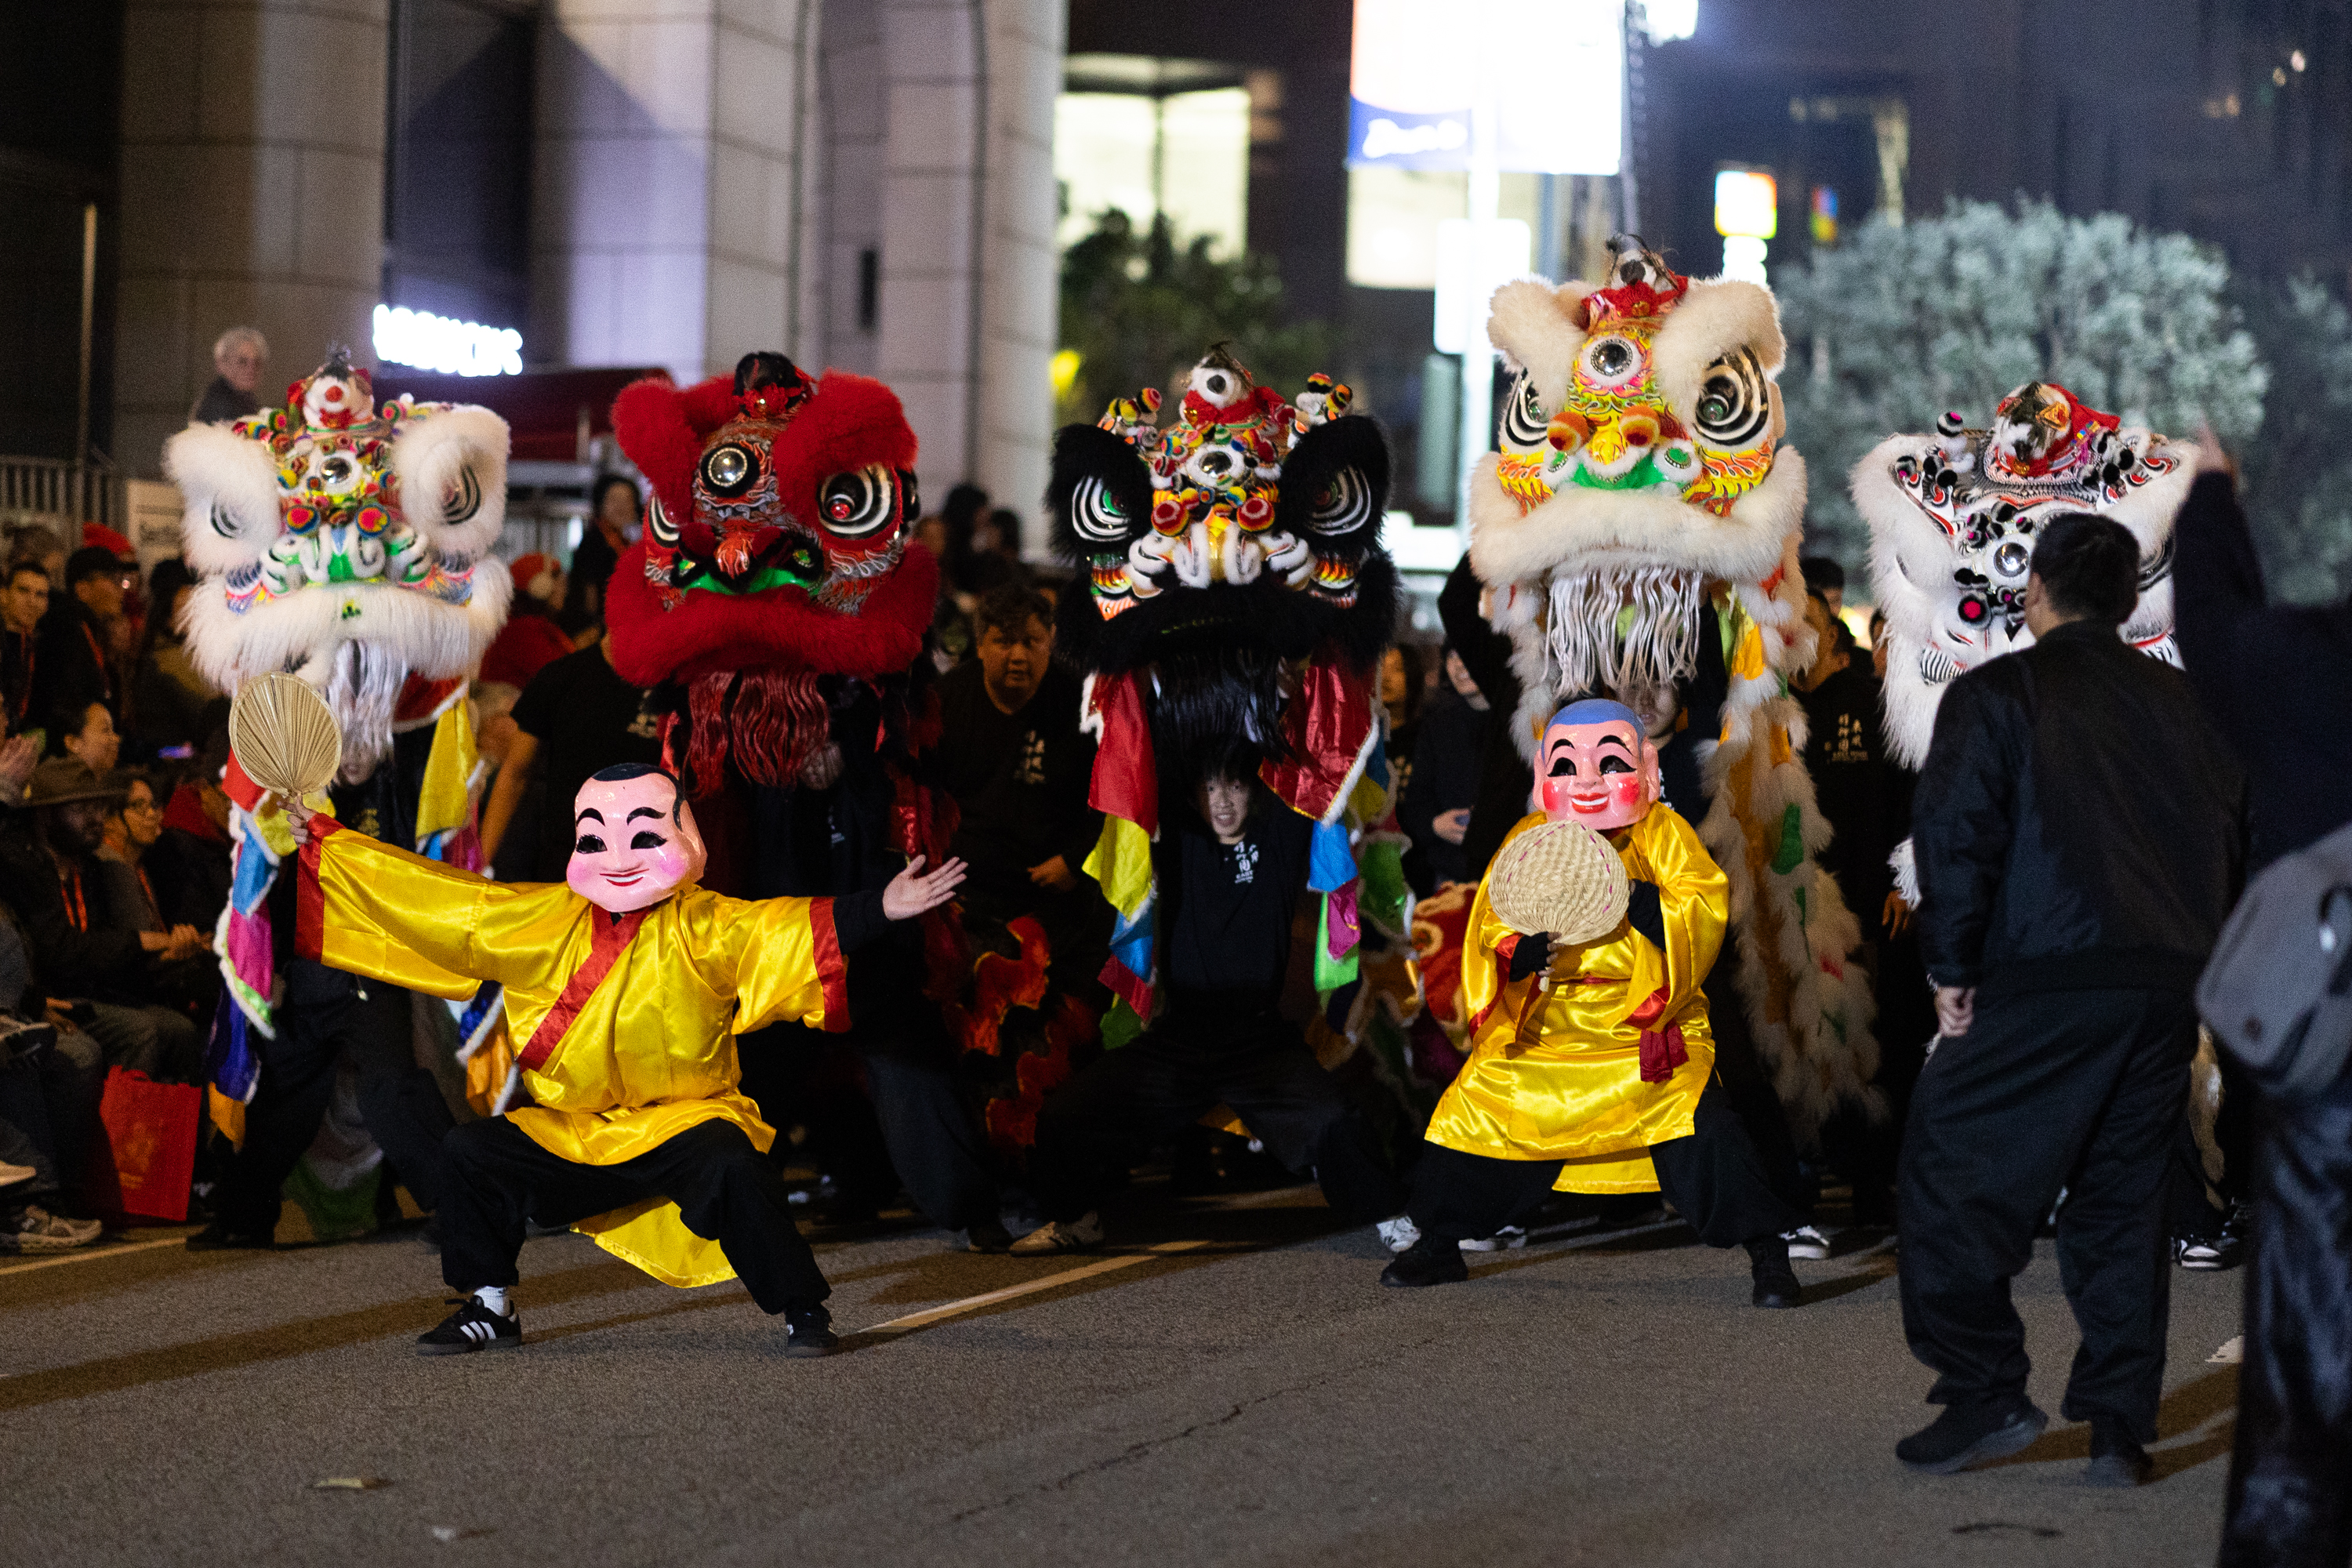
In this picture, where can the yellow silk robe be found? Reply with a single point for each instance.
(1557, 1075)
(651, 1050)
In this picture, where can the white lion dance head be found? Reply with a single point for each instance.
(1641, 503)
(339, 540)
(1953, 518)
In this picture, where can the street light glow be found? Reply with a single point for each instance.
(1664, 21)
(428, 342)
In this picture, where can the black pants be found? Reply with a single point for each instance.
(325, 1014)
(1713, 1177)
(725, 1189)
(2079, 1089)
(1747, 1089)
(928, 1136)
(2291, 1479)
(1167, 1077)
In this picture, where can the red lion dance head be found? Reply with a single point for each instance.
(777, 585)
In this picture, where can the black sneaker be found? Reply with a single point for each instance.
(1966, 1436)
(472, 1327)
(808, 1331)
(218, 1237)
(1776, 1283)
(987, 1235)
(1431, 1260)
(2116, 1457)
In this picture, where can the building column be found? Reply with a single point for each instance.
(969, 294)
(252, 194)
(670, 207)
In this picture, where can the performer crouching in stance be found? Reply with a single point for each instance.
(625, 992)
(1591, 1066)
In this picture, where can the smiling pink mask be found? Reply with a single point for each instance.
(628, 850)
(1598, 766)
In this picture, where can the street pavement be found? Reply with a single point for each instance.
(1226, 1383)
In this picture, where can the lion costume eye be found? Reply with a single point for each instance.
(1735, 403)
(730, 469)
(1345, 505)
(659, 524)
(1612, 362)
(856, 503)
(1095, 512)
(1524, 423)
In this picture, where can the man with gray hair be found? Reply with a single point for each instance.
(238, 357)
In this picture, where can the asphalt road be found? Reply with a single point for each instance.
(1227, 1385)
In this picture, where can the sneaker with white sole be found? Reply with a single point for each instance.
(1503, 1240)
(1397, 1234)
(35, 1229)
(1806, 1242)
(1083, 1233)
(472, 1327)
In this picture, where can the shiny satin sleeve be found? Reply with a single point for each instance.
(1694, 896)
(1481, 971)
(780, 958)
(369, 908)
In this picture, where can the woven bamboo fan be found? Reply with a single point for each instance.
(283, 735)
(1560, 877)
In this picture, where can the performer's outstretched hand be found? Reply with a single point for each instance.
(909, 895)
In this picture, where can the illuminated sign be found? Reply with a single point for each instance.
(1473, 261)
(1747, 203)
(434, 343)
(1553, 70)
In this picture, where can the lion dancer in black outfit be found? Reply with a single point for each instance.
(1232, 866)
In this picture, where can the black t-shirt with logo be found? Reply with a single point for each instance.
(1227, 908)
(1020, 785)
(585, 719)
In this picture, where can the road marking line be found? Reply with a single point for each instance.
(122, 1251)
(913, 1320)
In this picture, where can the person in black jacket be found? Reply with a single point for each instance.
(1442, 783)
(2288, 1502)
(2079, 828)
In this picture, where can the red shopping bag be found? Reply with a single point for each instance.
(145, 1155)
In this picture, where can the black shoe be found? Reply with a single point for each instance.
(472, 1327)
(808, 1331)
(218, 1237)
(1776, 1282)
(2116, 1457)
(1431, 1260)
(1966, 1436)
(987, 1235)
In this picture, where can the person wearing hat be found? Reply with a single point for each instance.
(85, 949)
(531, 640)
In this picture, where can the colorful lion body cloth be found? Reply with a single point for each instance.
(1953, 518)
(1638, 504)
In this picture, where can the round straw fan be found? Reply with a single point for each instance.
(283, 735)
(1562, 877)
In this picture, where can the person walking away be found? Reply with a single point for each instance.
(2079, 831)
(2289, 1502)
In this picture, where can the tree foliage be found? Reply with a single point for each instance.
(1138, 310)
(1902, 323)
(2296, 472)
